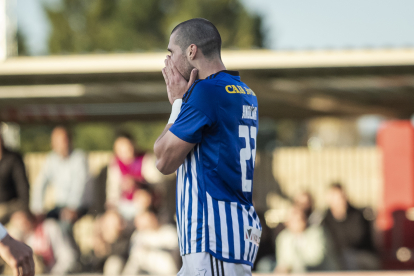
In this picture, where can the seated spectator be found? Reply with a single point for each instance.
(119, 182)
(14, 187)
(304, 201)
(152, 245)
(350, 232)
(67, 170)
(111, 244)
(52, 249)
(302, 248)
(144, 198)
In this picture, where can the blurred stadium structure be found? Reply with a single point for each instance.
(289, 85)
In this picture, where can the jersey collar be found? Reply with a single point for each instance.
(233, 73)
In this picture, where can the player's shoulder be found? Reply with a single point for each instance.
(201, 90)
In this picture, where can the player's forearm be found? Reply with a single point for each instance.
(169, 149)
(161, 152)
(167, 164)
(170, 152)
(157, 143)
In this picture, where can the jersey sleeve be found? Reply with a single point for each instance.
(190, 124)
(198, 112)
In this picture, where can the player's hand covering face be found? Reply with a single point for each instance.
(176, 84)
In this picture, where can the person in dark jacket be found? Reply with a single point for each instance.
(14, 186)
(350, 233)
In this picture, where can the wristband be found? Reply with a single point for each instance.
(176, 108)
(3, 232)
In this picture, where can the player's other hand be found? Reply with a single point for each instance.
(176, 84)
(18, 256)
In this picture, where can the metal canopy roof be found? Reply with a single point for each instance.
(130, 86)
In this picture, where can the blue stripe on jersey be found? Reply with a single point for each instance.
(230, 235)
(178, 206)
(220, 230)
(194, 203)
(217, 225)
(198, 202)
(250, 224)
(210, 226)
(189, 209)
(241, 230)
(180, 214)
(184, 209)
(223, 229)
(255, 224)
(253, 253)
(228, 220)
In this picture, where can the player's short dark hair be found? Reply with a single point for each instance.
(202, 33)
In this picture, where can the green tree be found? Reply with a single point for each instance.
(91, 136)
(81, 26)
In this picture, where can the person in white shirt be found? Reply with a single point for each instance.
(302, 247)
(16, 254)
(152, 244)
(67, 170)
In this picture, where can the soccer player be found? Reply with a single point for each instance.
(210, 139)
(16, 254)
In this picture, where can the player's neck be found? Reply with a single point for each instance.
(209, 68)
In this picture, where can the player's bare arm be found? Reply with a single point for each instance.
(169, 149)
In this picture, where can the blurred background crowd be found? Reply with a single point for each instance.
(131, 221)
(82, 100)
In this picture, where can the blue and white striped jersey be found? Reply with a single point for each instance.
(214, 206)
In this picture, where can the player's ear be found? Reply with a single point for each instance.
(192, 51)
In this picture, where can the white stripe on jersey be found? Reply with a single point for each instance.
(246, 243)
(223, 226)
(194, 204)
(193, 231)
(187, 207)
(211, 226)
(183, 217)
(255, 254)
(258, 226)
(236, 235)
(203, 239)
(254, 225)
(179, 196)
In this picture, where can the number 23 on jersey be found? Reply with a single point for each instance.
(246, 154)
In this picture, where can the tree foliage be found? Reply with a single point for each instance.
(82, 26)
(91, 136)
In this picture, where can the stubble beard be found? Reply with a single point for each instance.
(185, 69)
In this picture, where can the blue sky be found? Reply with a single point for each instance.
(290, 24)
(327, 24)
